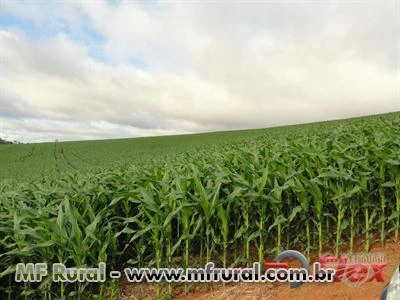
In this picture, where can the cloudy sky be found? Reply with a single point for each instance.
(109, 69)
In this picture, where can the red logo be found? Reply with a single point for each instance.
(354, 272)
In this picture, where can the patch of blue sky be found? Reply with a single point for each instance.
(33, 30)
(89, 33)
(114, 2)
(9, 22)
(97, 53)
(139, 62)
(83, 33)
(93, 40)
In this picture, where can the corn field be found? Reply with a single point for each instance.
(315, 189)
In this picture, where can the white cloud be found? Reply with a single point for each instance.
(209, 67)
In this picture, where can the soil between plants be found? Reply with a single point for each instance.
(247, 291)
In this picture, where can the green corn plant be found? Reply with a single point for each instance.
(153, 214)
(160, 214)
(262, 210)
(276, 205)
(318, 206)
(304, 201)
(342, 196)
(394, 184)
(397, 193)
(207, 202)
(382, 202)
(190, 225)
(223, 216)
(338, 201)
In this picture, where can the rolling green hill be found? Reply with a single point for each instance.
(26, 162)
(164, 201)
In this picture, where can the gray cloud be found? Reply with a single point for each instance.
(12, 106)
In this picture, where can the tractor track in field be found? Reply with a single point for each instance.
(56, 158)
(81, 157)
(29, 155)
(65, 158)
(61, 161)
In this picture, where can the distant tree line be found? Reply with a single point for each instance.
(7, 142)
